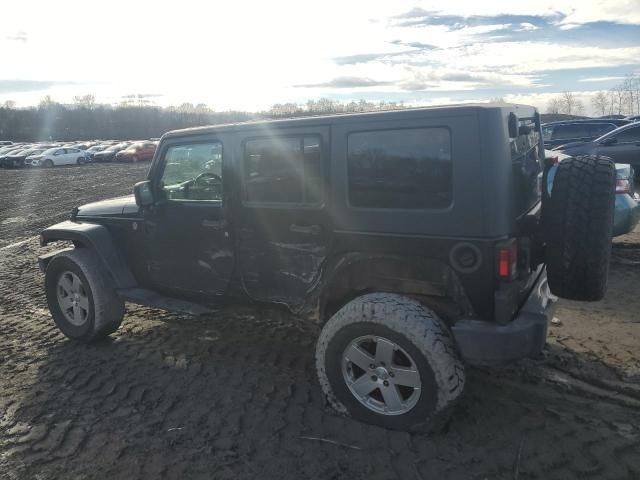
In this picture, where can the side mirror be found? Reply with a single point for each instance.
(143, 194)
(609, 141)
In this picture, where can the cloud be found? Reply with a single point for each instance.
(600, 79)
(18, 86)
(418, 17)
(20, 36)
(360, 58)
(348, 82)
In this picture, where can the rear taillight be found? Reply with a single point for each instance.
(623, 185)
(507, 254)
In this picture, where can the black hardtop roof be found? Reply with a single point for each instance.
(402, 113)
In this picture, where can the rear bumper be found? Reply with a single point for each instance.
(486, 343)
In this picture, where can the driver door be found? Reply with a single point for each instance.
(190, 252)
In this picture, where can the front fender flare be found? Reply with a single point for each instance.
(96, 237)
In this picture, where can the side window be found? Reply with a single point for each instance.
(284, 169)
(630, 135)
(192, 172)
(599, 129)
(407, 169)
(572, 130)
(547, 132)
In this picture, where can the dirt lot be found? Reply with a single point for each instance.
(234, 394)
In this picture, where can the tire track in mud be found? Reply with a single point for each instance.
(231, 394)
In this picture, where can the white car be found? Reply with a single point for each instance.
(57, 156)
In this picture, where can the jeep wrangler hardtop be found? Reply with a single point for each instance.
(417, 238)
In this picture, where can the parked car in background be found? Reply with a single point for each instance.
(6, 142)
(109, 153)
(633, 118)
(621, 144)
(11, 151)
(57, 156)
(91, 151)
(18, 159)
(137, 152)
(558, 133)
(627, 203)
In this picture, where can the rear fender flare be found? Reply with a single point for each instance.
(96, 237)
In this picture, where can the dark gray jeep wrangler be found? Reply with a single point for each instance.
(419, 239)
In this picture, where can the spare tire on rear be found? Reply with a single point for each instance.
(578, 218)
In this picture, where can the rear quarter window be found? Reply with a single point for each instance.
(400, 169)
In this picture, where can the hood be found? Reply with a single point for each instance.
(114, 207)
(583, 146)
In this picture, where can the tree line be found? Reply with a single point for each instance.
(136, 119)
(623, 99)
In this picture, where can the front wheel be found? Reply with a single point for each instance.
(81, 161)
(81, 296)
(48, 163)
(387, 360)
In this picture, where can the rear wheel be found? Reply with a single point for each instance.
(578, 220)
(387, 360)
(81, 296)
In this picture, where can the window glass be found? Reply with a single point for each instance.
(193, 172)
(629, 135)
(599, 129)
(408, 169)
(283, 170)
(572, 130)
(547, 132)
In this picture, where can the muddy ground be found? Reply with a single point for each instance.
(234, 394)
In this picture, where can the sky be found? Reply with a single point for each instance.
(249, 55)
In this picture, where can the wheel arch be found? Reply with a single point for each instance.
(431, 282)
(91, 236)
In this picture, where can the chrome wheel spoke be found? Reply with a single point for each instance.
(364, 386)
(78, 314)
(392, 398)
(406, 377)
(66, 284)
(76, 284)
(83, 301)
(66, 302)
(359, 357)
(384, 352)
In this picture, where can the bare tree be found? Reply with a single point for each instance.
(600, 103)
(570, 104)
(87, 101)
(47, 102)
(9, 104)
(554, 105)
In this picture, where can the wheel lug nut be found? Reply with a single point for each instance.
(391, 374)
(385, 383)
(374, 378)
(372, 366)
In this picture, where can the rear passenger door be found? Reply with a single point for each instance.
(281, 221)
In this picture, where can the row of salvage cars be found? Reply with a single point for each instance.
(52, 154)
(618, 139)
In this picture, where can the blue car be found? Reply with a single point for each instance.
(627, 207)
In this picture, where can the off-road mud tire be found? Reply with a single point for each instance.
(578, 221)
(106, 309)
(418, 331)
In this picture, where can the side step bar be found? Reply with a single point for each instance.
(149, 298)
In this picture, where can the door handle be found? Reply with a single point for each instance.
(214, 224)
(306, 229)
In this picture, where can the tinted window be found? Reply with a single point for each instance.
(572, 130)
(283, 170)
(409, 169)
(598, 129)
(193, 172)
(629, 135)
(547, 132)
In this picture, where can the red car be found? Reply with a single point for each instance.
(137, 152)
